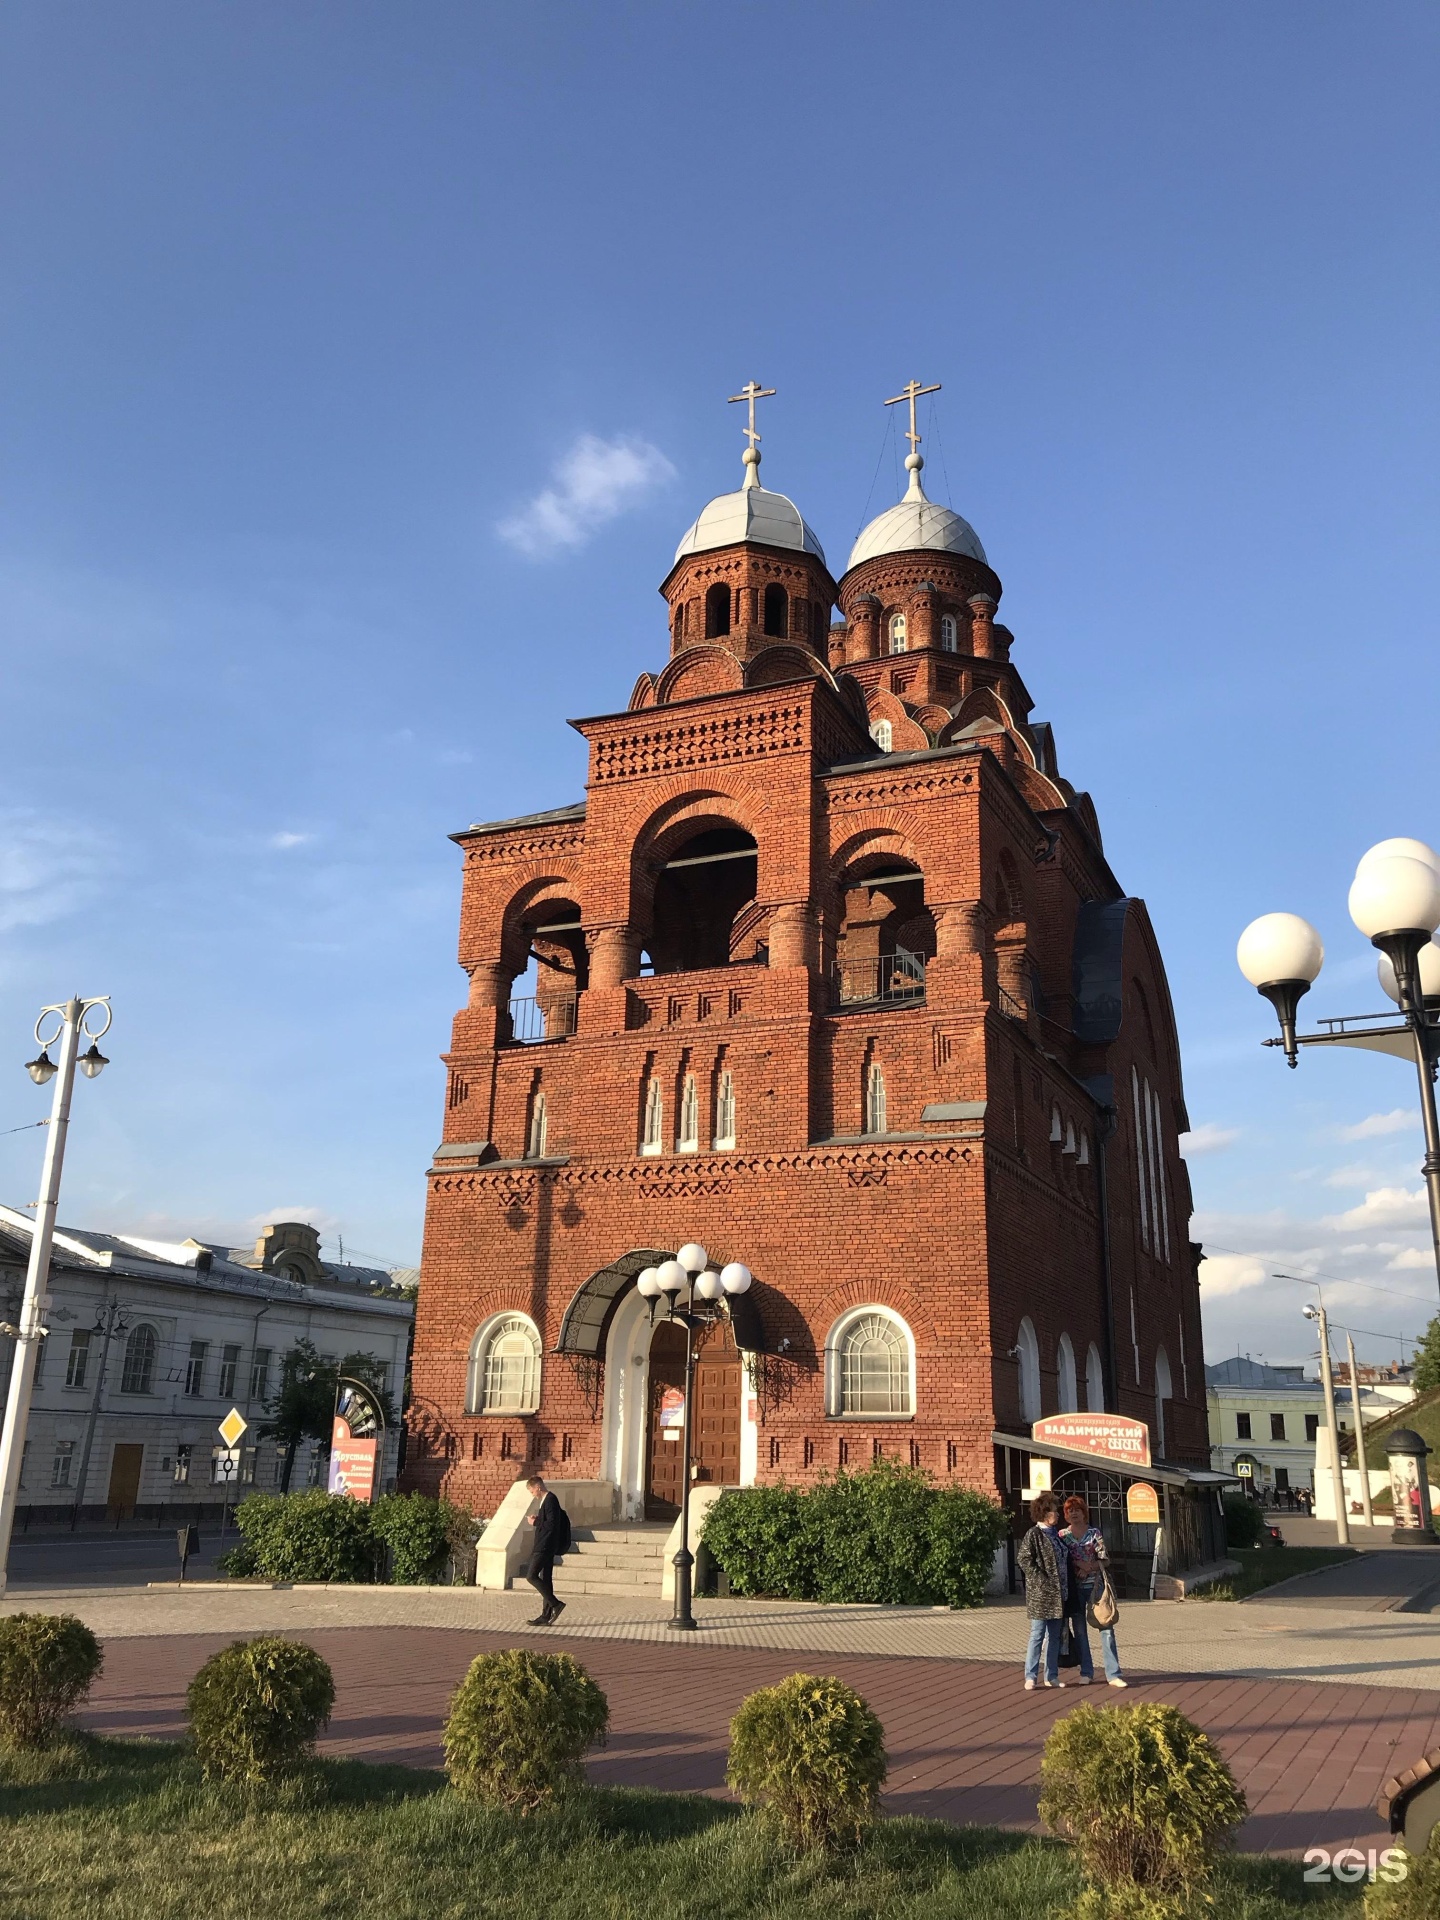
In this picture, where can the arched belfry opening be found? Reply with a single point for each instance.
(699, 917)
(777, 611)
(886, 936)
(717, 611)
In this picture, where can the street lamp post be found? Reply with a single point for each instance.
(706, 1291)
(72, 1016)
(1360, 1461)
(1395, 902)
(1337, 1468)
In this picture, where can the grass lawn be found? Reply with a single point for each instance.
(127, 1830)
(1263, 1566)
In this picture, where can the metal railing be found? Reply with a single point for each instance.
(1009, 1005)
(534, 1020)
(885, 980)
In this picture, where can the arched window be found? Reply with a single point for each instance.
(1057, 1130)
(1083, 1158)
(947, 632)
(1163, 1392)
(870, 1362)
(535, 1132)
(505, 1366)
(679, 621)
(1069, 1393)
(777, 611)
(138, 1373)
(1027, 1352)
(689, 1140)
(725, 1111)
(882, 733)
(717, 611)
(875, 1098)
(652, 1131)
(1094, 1381)
(898, 630)
(1140, 1172)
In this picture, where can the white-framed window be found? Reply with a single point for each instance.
(1066, 1381)
(883, 734)
(505, 1366)
(1027, 1352)
(1057, 1128)
(652, 1130)
(725, 1111)
(1140, 1171)
(180, 1471)
(870, 1366)
(688, 1139)
(948, 632)
(62, 1464)
(229, 1367)
(1083, 1158)
(77, 1361)
(195, 1368)
(260, 1374)
(875, 1102)
(1094, 1381)
(1164, 1391)
(899, 632)
(138, 1373)
(535, 1132)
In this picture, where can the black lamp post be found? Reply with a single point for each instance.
(1395, 902)
(705, 1292)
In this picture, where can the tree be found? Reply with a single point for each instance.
(1427, 1358)
(303, 1404)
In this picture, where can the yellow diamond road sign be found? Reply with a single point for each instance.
(232, 1426)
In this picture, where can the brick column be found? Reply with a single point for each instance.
(956, 976)
(982, 636)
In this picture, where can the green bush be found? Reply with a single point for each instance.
(47, 1664)
(885, 1535)
(257, 1707)
(422, 1534)
(520, 1724)
(811, 1753)
(1244, 1522)
(1417, 1896)
(1143, 1796)
(308, 1536)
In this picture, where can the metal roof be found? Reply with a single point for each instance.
(753, 515)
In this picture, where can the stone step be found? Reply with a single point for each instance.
(620, 1559)
(568, 1582)
(640, 1534)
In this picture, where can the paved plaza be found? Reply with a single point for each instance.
(1314, 1703)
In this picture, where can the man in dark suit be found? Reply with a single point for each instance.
(547, 1524)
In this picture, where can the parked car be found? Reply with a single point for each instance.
(1273, 1535)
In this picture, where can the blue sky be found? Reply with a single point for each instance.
(304, 307)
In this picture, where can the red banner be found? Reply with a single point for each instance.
(352, 1462)
(1109, 1436)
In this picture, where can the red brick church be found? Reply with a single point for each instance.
(829, 973)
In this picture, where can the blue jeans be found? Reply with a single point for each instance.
(1044, 1633)
(1081, 1629)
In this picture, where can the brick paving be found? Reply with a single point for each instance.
(964, 1739)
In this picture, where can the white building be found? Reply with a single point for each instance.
(151, 1344)
(1265, 1421)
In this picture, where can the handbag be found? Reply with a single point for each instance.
(1104, 1610)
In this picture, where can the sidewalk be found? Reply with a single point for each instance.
(1282, 1639)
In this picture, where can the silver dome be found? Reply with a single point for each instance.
(751, 514)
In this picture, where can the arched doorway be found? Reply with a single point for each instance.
(716, 1419)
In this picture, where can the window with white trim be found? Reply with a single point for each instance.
(138, 1373)
(882, 733)
(1140, 1162)
(875, 1103)
(505, 1366)
(62, 1463)
(1065, 1369)
(1027, 1352)
(871, 1366)
(536, 1132)
(1094, 1381)
(77, 1363)
(899, 633)
(948, 632)
(688, 1140)
(652, 1132)
(725, 1111)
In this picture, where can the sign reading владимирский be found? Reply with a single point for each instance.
(1109, 1436)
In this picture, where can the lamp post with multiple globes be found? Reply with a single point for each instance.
(695, 1295)
(1395, 902)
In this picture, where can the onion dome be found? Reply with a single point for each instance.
(917, 524)
(754, 514)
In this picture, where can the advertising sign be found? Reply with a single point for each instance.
(672, 1413)
(1109, 1436)
(355, 1437)
(1142, 1504)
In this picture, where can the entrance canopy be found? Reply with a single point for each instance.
(1167, 1476)
(585, 1317)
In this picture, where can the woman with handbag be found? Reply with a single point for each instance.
(1093, 1598)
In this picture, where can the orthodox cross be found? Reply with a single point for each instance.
(753, 391)
(912, 391)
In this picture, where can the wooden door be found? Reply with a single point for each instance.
(664, 1445)
(718, 1399)
(125, 1464)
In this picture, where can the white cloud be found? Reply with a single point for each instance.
(1412, 1259)
(48, 868)
(316, 1217)
(1222, 1273)
(594, 482)
(1209, 1138)
(1381, 1207)
(1352, 1176)
(284, 840)
(1398, 1120)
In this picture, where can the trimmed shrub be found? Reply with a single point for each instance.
(1143, 1796)
(520, 1724)
(812, 1754)
(1244, 1522)
(885, 1535)
(421, 1533)
(47, 1664)
(308, 1536)
(257, 1707)
(1417, 1895)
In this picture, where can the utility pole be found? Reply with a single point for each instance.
(1360, 1463)
(105, 1326)
(1342, 1517)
